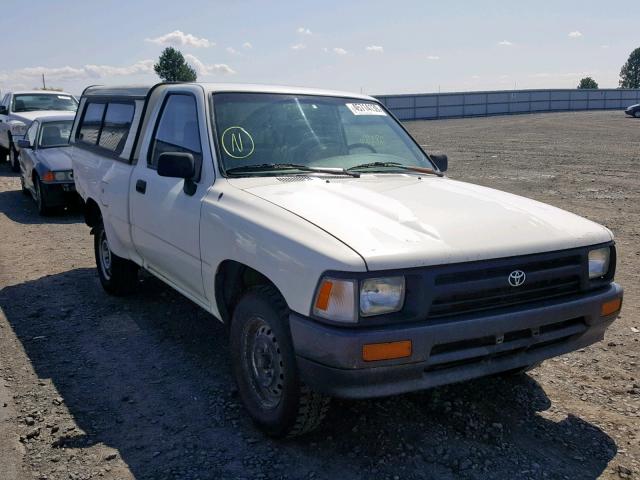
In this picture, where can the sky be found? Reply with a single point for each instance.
(375, 47)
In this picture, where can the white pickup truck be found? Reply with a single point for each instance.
(341, 258)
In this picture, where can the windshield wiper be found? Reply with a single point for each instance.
(411, 168)
(290, 166)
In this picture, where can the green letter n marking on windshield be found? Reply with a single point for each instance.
(237, 143)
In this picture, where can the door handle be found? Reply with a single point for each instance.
(141, 186)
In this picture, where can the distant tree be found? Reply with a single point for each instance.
(588, 82)
(172, 67)
(630, 73)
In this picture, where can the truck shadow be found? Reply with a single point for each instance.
(149, 375)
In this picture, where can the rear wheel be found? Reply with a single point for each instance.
(265, 367)
(23, 186)
(3, 154)
(13, 158)
(118, 275)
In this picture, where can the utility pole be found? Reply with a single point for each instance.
(44, 85)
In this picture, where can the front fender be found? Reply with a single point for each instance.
(291, 252)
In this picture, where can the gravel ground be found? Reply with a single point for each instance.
(93, 386)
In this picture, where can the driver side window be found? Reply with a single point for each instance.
(177, 130)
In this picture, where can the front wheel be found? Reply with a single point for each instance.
(636, 114)
(41, 197)
(265, 367)
(118, 275)
(13, 159)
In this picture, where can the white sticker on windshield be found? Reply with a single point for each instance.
(365, 109)
(63, 97)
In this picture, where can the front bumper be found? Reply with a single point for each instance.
(60, 193)
(447, 350)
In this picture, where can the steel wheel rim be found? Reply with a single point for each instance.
(104, 254)
(262, 362)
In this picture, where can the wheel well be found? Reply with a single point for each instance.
(92, 214)
(232, 280)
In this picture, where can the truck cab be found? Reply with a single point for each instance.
(342, 259)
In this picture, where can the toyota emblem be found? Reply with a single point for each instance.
(517, 278)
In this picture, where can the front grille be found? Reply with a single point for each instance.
(479, 286)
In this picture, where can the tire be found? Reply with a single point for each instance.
(265, 367)
(3, 154)
(118, 275)
(636, 114)
(41, 197)
(23, 187)
(13, 159)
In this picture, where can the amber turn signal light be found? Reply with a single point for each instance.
(611, 307)
(48, 177)
(386, 351)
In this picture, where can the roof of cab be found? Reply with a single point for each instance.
(41, 92)
(141, 91)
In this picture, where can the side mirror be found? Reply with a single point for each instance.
(24, 144)
(178, 165)
(441, 161)
(3, 110)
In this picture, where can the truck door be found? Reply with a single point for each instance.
(165, 220)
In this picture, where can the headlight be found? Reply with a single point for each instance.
(335, 300)
(381, 295)
(63, 175)
(599, 262)
(18, 128)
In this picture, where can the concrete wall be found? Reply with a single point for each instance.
(472, 104)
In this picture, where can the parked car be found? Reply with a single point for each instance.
(19, 109)
(45, 163)
(341, 258)
(633, 110)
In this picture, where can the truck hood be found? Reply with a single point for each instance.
(28, 117)
(55, 159)
(400, 221)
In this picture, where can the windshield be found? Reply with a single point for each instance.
(44, 101)
(262, 129)
(55, 134)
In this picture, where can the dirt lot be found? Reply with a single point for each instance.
(98, 387)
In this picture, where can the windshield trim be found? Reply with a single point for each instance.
(214, 130)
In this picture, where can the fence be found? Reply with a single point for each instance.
(474, 104)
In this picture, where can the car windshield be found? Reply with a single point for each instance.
(283, 130)
(32, 102)
(55, 134)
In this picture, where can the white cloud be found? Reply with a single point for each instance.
(232, 51)
(339, 51)
(86, 71)
(303, 31)
(433, 57)
(178, 38)
(298, 46)
(202, 69)
(374, 48)
(247, 45)
(505, 43)
(575, 34)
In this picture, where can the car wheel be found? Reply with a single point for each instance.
(636, 114)
(118, 275)
(41, 197)
(265, 367)
(13, 158)
(23, 186)
(3, 154)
